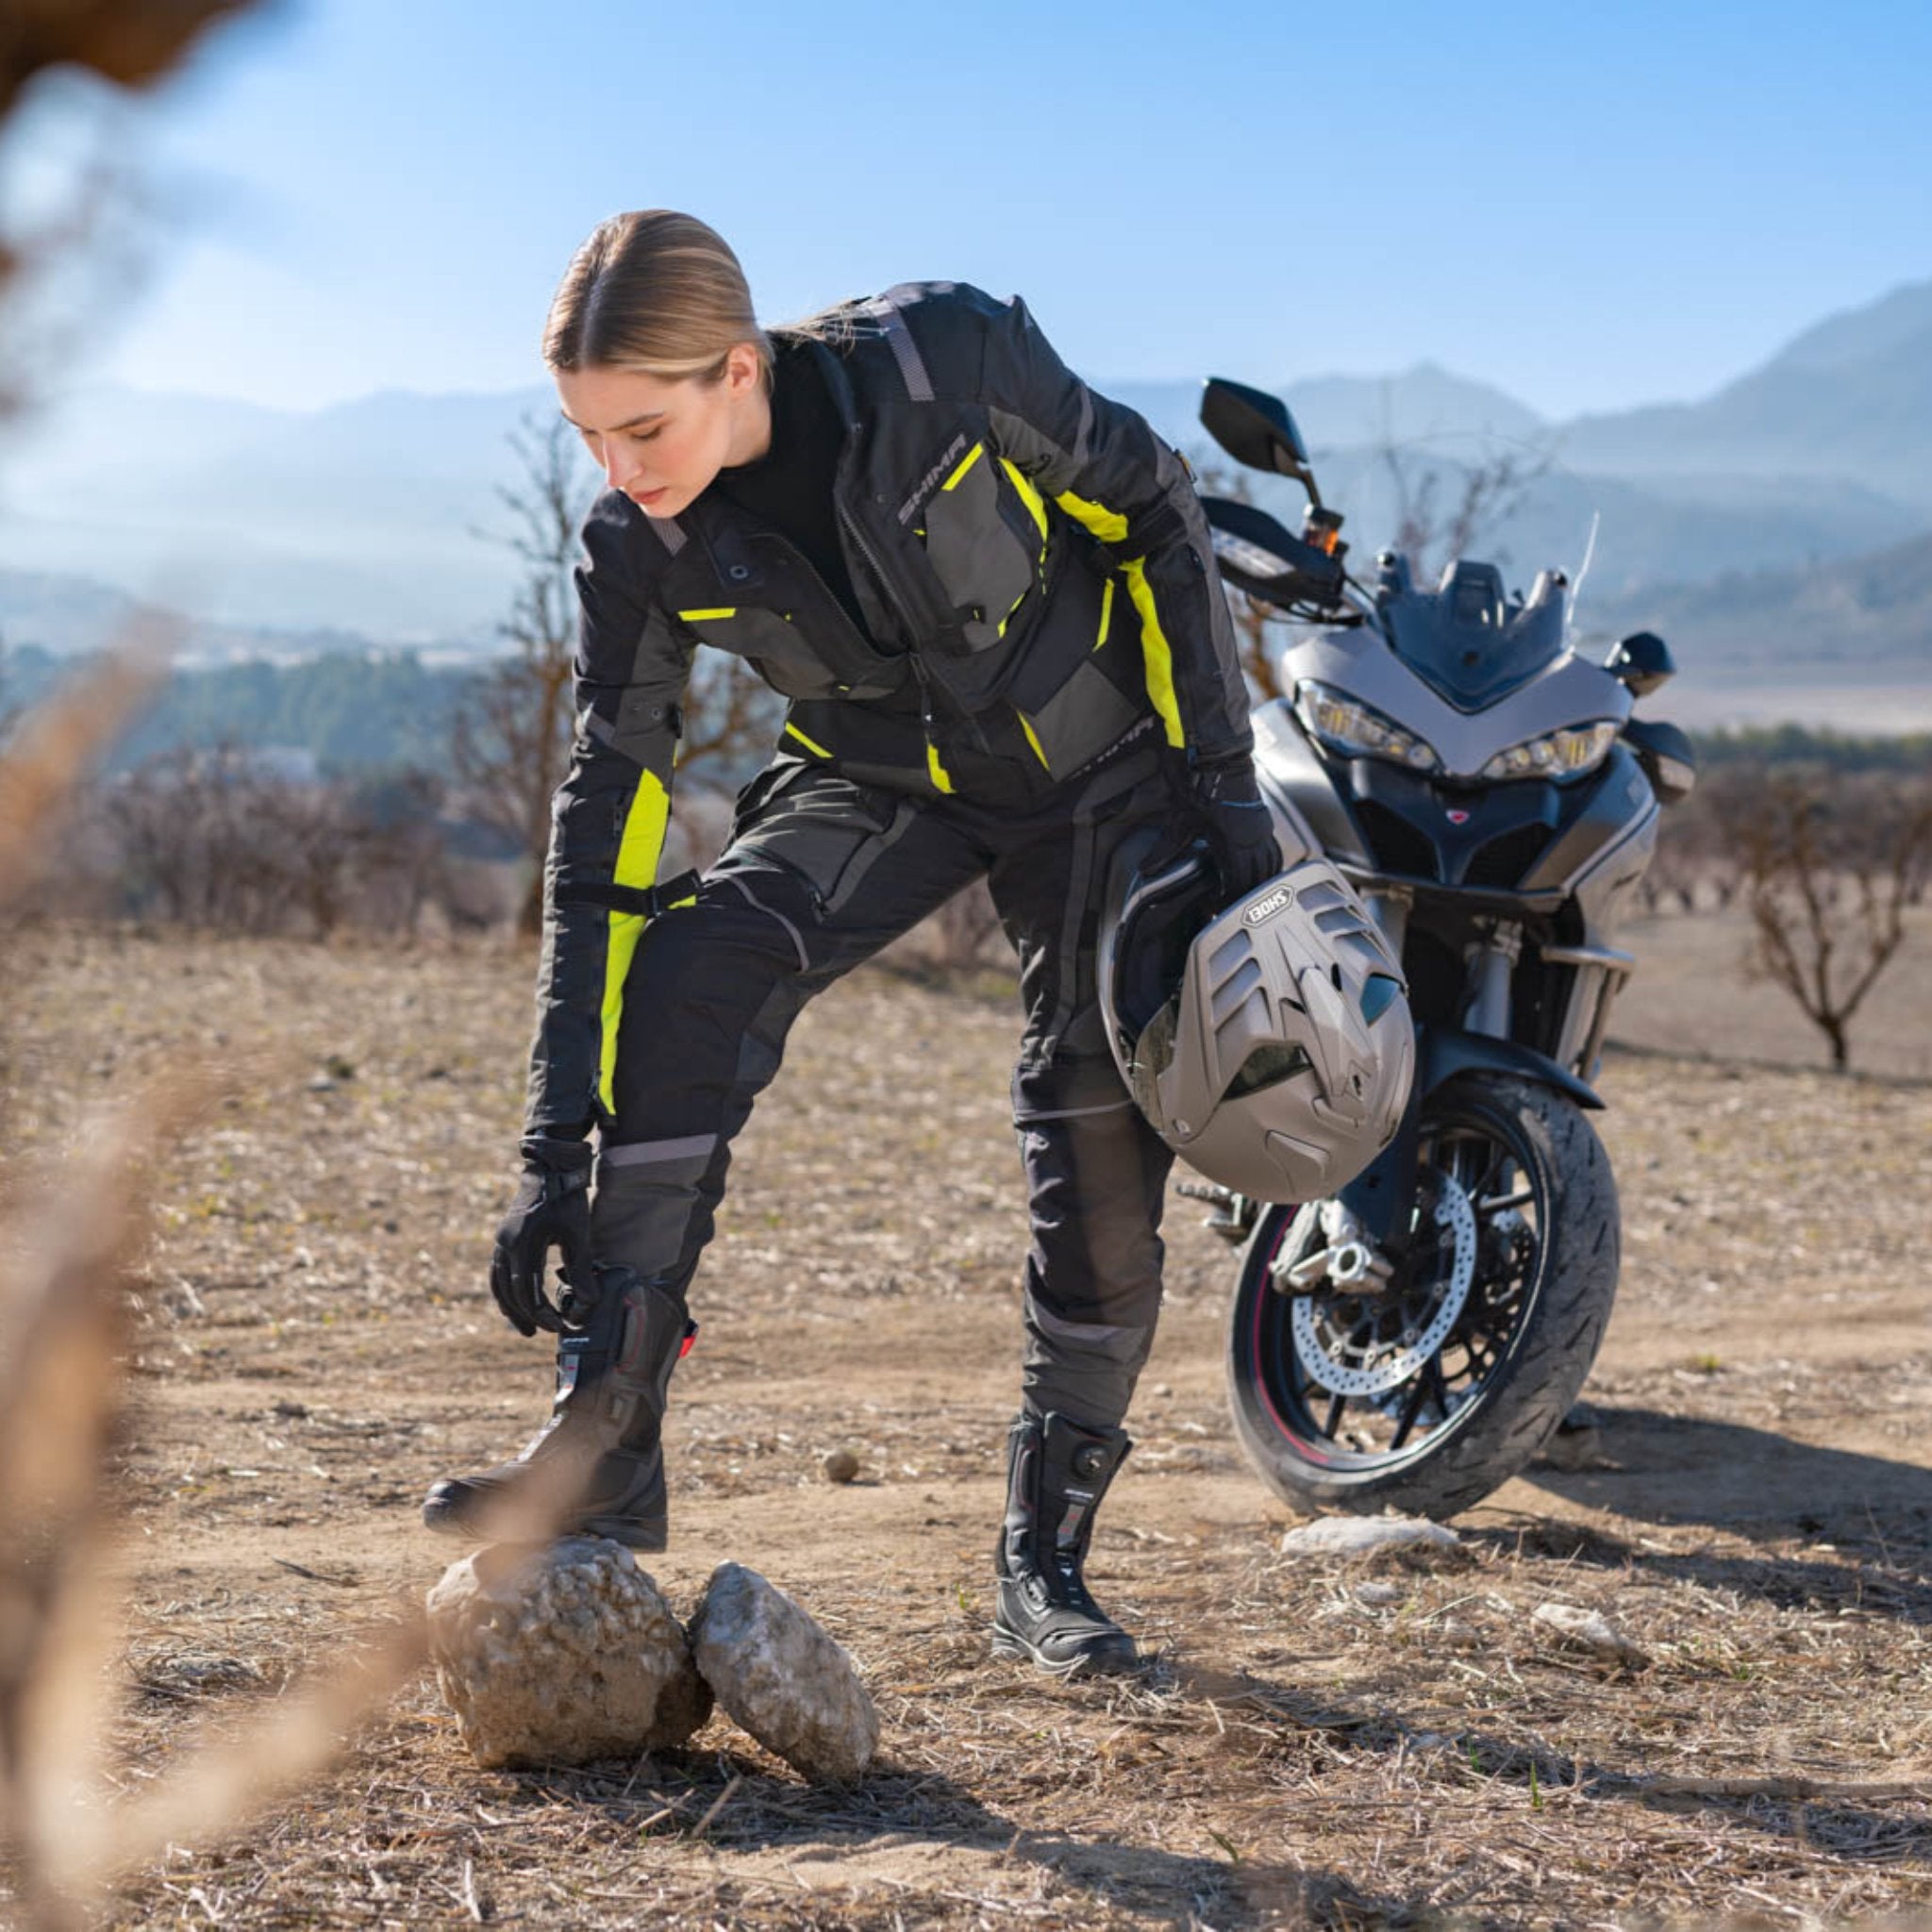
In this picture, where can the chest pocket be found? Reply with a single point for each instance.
(985, 530)
(777, 650)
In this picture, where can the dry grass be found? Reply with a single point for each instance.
(1314, 1743)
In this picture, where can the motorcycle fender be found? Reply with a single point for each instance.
(1442, 1051)
(1380, 1196)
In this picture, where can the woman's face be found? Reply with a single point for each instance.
(661, 440)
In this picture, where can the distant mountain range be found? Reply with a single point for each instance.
(298, 532)
(1864, 612)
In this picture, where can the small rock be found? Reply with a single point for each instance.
(561, 1655)
(1591, 1630)
(781, 1677)
(1367, 1536)
(1574, 1450)
(1577, 1443)
(1377, 1595)
(840, 1466)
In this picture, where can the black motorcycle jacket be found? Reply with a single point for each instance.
(1037, 580)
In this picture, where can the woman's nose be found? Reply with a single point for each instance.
(621, 466)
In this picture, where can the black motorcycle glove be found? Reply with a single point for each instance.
(551, 1209)
(1239, 827)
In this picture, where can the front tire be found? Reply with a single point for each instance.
(1429, 1395)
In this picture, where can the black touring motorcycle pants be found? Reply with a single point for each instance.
(821, 873)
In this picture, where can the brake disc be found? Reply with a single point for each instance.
(1340, 1339)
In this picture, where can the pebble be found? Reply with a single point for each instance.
(1366, 1535)
(1592, 1631)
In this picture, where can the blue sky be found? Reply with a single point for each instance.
(1590, 208)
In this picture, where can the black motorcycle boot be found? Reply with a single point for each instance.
(1057, 1473)
(597, 1466)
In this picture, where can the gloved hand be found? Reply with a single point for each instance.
(551, 1209)
(1239, 827)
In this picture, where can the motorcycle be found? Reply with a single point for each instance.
(1414, 1340)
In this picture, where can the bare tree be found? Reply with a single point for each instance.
(511, 744)
(1829, 862)
(511, 740)
(1695, 867)
(223, 841)
(731, 716)
(1430, 531)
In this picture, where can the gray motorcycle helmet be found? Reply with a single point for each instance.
(1268, 1042)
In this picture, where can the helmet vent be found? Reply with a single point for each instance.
(1232, 993)
(1379, 993)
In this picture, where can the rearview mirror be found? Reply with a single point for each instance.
(1257, 430)
(1667, 756)
(1641, 662)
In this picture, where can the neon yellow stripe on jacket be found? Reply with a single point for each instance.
(699, 616)
(938, 773)
(966, 462)
(1032, 736)
(1028, 495)
(1110, 525)
(636, 865)
(809, 743)
(1106, 612)
(1154, 650)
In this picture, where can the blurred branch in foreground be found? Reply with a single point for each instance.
(66, 1247)
(68, 262)
(130, 42)
(69, 1244)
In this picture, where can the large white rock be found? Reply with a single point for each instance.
(781, 1677)
(561, 1654)
(1366, 1535)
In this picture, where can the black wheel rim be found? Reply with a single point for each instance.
(1485, 1154)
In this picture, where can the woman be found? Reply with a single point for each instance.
(989, 595)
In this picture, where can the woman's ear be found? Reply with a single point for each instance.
(743, 368)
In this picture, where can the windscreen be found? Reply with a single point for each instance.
(1467, 638)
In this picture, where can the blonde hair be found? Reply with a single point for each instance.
(655, 291)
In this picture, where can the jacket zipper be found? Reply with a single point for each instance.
(898, 610)
(842, 391)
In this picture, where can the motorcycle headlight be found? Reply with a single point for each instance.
(1358, 730)
(1564, 754)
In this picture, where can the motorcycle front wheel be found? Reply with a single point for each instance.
(1429, 1394)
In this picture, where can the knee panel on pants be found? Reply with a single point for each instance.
(1097, 1175)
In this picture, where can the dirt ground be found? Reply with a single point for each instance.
(1314, 1743)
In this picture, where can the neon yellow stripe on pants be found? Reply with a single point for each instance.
(636, 865)
(1155, 653)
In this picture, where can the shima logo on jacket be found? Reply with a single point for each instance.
(933, 478)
